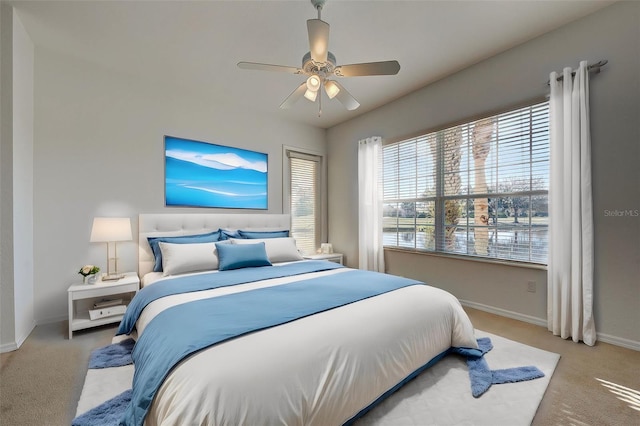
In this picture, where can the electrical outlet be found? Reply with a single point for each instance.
(531, 286)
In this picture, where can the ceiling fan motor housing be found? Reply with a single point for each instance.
(311, 67)
(318, 4)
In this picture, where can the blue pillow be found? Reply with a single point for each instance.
(262, 234)
(235, 256)
(225, 234)
(154, 242)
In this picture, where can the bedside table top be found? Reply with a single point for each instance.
(128, 279)
(321, 256)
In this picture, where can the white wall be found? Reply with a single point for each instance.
(16, 220)
(99, 151)
(507, 79)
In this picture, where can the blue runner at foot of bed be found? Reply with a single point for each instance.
(212, 280)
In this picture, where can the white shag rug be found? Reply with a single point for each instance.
(439, 396)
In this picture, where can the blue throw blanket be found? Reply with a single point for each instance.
(187, 328)
(210, 281)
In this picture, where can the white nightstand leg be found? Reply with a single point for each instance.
(70, 315)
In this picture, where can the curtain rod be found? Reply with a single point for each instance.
(594, 68)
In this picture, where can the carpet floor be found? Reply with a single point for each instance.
(439, 396)
(41, 383)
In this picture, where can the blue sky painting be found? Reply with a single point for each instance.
(199, 174)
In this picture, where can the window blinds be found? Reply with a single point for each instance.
(479, 188)
(305, 200)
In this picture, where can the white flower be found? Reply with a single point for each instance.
(88, 270)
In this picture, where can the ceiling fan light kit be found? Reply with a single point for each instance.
(319, 64)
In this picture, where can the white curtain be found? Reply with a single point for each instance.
(570, 265)
(370, 204)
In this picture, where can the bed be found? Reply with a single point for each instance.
(297, 343)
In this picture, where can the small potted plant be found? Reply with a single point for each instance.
(88, 273)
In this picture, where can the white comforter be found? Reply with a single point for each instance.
(318, 370)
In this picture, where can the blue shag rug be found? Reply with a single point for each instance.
(118, 354)
(482, 377)
(109, 413)
(115, 355)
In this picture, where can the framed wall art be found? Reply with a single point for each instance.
(201, 174)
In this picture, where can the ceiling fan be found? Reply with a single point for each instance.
(320, 65)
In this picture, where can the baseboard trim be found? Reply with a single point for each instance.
(602, 337)
(619, 341)
(505, 313)
(21, 339)
(8, 347)
(15, 345)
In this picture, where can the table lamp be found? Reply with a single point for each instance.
(111, 230)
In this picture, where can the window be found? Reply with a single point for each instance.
(478, 189)
(304, 185)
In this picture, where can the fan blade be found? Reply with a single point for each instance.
(268, 67)
(318, 39)
(294, 96)
(345, 98)
(369, 68)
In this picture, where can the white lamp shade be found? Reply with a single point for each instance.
(108, 229)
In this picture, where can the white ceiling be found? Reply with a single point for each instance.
(198, 44)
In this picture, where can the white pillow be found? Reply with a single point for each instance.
(278, 249)
(183, 258)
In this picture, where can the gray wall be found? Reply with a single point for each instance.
(23, 118)
(16, 158)
(99, 151)
(508, 79)
(7, 325)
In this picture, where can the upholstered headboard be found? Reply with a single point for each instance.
(171, 224)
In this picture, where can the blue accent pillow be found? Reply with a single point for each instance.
(154, 242)
(234, 256)
(262, 234)
(225, 234)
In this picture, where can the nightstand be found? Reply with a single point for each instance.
(333, 257)
(83, 296)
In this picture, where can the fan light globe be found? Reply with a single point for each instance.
(311, 95)
(331, 88)
(313, 83)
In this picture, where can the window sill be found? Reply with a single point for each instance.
(511, 263)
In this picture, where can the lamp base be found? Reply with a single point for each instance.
(112, 277)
